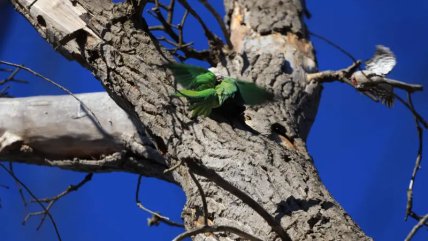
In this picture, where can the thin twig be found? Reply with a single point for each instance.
(173, 167)
(85, 107)
(35, 198)
(177, 45)
(167, 27)
(342, 75)
(334, 45)
(175, 32)
(20, 191)
(156, 217)
(203, 198)
(9, 78)
(417, 166)
(216, 229)
(419, 118)
(395, 83)
(52, 200)
(219, 20)
(416, 227)
(221, 182)
(210, 36)
(170, 11)
(180, 29)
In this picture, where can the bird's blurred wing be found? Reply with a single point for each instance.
(205, 106)
(251, 93)
(191, 76)
(382, 62)
(195, 95)
(226, 89)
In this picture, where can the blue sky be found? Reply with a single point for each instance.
(364, 151)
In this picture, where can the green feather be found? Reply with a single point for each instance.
(226, 89)
(205, 106)
(192, 77)
(196, 95)
(251, 93)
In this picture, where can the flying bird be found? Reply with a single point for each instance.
(372, 81)
(206, 91)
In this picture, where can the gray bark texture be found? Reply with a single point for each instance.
(261, 181)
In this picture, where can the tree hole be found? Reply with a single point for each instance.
(41, 21)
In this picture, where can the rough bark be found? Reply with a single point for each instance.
(230, 160)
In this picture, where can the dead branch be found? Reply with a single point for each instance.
(48, 214)
(336, 46)
(212, 38)
(52, 200)
(409, 206)
(203, 198)
(9, 78)
(421, 222)
(342, 75)
(398, 84)
(219, 20)
(156, 217)
(85, 107)
(175, 32)
(20, 190)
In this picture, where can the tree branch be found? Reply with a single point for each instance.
(415, 229)
(51, 218)
(156, 217)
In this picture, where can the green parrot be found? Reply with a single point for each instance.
(206, 91)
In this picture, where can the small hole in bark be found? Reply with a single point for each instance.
(278, 128)
(41, 21)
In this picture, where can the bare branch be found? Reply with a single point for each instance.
(219, 20)
(9, 78)
(86, 108)
(52, 200)
(417, 227)
(342, 75)
(398, 84)
(203, 198)
(412, 109)
(178, 164)
(170, 29)
(156, 217)
(328, 41)
(20, 190)
(35, 198)
(171, 11)
(212, 38)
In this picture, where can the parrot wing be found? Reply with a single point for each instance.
(251, 93)
(226, 89)
(204, 108)
(202, 102)
(196, 95)
(382, 62)
(191, 76)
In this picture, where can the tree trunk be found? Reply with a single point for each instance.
(256, 176)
